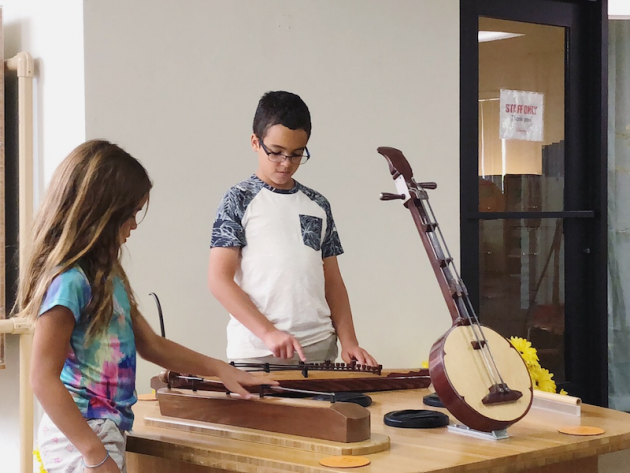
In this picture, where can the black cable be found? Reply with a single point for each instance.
(159, 307)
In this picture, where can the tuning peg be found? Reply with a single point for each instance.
(389, 196)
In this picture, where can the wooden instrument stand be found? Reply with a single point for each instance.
(205, 400)
(339, 422)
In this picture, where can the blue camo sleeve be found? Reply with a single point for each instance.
(331, 246)
(228, 231)
(69, 289)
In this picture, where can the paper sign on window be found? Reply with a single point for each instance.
(521, 115)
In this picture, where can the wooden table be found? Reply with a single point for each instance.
(534, 445)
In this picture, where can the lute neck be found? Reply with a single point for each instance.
(416, 199)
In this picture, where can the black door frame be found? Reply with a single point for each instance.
(586, 187)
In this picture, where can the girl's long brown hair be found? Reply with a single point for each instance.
(92, 193)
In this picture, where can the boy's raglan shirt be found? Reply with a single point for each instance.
(284, 235)
(99, 373)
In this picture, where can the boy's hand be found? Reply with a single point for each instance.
(358, 354)
(283, 345)
(234, 379)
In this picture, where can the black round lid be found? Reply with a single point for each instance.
(432, 400)
(416, 419)
(356, 398)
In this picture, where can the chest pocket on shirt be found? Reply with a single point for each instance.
(311, 231)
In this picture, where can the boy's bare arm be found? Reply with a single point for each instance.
(341, 314)
(221, 270)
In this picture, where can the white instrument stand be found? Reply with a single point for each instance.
(464, 430)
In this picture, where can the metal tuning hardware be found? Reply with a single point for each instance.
(265, 388)
(390, 196)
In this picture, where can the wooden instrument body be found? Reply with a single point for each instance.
(205, 400)
(322, 381)
(339, 422)
(470, 363)
(461, 380)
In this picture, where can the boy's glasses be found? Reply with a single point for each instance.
(275, 157)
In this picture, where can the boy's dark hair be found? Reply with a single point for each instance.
(281, 108)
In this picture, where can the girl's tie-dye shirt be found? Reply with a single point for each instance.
(100, 373)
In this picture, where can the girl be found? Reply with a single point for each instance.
(88, 324)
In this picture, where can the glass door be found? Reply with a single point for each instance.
(532, 239)
(521, 169)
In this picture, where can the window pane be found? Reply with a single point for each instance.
(522, 284)
(521, 151)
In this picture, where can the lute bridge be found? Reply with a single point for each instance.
(501, 394)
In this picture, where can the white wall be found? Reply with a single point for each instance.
(177, 87)
(35, 26)
(618, 8)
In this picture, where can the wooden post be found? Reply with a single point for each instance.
(3, 312)
(23, 64)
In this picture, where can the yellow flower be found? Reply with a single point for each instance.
(425, 364)
(526, 350)
(542, 379)
(39, 460)
(563, 392)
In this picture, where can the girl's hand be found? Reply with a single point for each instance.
(234, 379)
(108, 467)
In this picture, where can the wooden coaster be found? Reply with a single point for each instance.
(344, 461)
(581, 430)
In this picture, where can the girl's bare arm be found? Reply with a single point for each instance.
(173, 356)
(50, 349)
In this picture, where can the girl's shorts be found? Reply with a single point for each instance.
(60, 456)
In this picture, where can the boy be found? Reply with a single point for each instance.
(273, 258)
